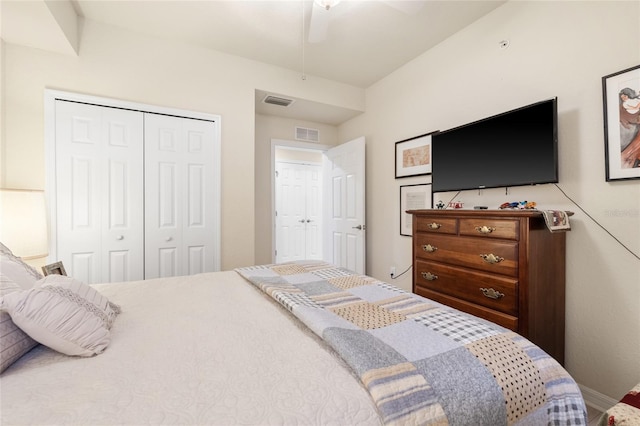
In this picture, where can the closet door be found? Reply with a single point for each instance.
(99, 208)
(299, 211)
(180, 224)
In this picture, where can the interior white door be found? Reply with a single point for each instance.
(180, 228)
(344, 182)
(99, 187)
(298, 211)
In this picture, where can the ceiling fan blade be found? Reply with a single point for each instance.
(319, 24)
(409, 7)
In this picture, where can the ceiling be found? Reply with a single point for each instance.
(365, 39)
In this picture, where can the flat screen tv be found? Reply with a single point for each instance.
(515, 148)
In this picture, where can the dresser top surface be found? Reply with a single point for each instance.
(478, 212)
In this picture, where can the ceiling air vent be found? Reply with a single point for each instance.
(308, 135)
(275, 100)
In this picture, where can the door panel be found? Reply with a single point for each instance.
(199, 228)
(122, 189)
(99, 192)
(180, 226)
(344, 170)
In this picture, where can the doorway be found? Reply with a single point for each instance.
(342, 202)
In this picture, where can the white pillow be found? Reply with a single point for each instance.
(63, 314)
(13, 342)
(16, 270)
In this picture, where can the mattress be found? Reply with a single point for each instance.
(206, 349)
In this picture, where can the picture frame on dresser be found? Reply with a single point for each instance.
(54, 268)
(413, 197)
(621, 108)
(413, 156)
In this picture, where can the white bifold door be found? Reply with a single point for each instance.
(99, 192)
(179, 230)
(135, 194)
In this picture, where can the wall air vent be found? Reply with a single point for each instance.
(275, 100)
(307, 135)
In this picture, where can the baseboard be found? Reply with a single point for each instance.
(595, 399)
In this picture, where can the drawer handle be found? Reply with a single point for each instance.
(433, 225)
(491, 293)
(491, 258)
(429, 248)
(485, 229)
(429, 276)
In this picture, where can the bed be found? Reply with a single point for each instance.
(303, 343)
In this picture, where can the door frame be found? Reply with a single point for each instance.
(287, 144)
(50, 98)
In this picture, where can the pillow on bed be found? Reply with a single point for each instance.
(16, 270)
(63, 314)
(13, 342)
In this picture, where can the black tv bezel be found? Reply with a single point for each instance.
(554, 103)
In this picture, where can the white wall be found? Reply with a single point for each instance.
(556, 49)
(119, 64)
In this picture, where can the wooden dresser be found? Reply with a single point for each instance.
(502, 265)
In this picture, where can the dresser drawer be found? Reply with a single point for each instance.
(487, 290)
(505, 320)
(440, 225)
(490, 228)
(500, 257)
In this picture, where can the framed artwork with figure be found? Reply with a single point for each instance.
(621, 102)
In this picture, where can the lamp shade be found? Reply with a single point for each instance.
(23, 222)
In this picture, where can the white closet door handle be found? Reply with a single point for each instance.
(120, 237)
(168, 239)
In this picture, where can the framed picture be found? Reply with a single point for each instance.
(413, 156)
(621, 99)
(413, 197)
(54, 268)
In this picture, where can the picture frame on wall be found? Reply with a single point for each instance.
(413, 156)
(621, 105)
(413, 197)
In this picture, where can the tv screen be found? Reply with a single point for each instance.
(518, 147)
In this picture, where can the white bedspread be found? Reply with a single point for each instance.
(207, 349)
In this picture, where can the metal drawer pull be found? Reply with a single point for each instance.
(485, 229)
(491, 293)
(429, 276)
(491, 258)
(429, 248)
(433, 225)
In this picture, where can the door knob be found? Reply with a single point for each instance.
(168, 239)
(120, 237)
(359, 227)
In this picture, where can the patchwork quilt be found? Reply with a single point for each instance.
(423, 362)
